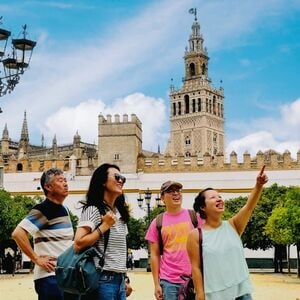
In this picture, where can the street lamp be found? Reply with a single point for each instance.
(15, 63)
(140, 200)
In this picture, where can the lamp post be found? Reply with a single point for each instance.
(14, 64)
(140, 199)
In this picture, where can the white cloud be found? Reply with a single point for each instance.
(132, 55)
(84, 118)
(279, 133)
(115, 63)
(291, 115)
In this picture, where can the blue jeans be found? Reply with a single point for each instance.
(47, 289)
(244, 297)
(170, 290)
(111, 286)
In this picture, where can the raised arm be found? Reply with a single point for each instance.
(241, 219)
(194, 256)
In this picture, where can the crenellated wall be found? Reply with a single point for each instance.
(120, 141)
(273, 161)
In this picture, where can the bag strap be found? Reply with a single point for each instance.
(200, 251)
(159, 219)
(193, 217)
(106, 233)
(106, 238)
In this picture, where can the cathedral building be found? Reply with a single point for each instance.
(22, 156)
(196, 141)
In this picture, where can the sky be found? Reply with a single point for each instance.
(118, 57)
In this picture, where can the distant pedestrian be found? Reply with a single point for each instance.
(130, 261)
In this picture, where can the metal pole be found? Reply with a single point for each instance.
(149, 254)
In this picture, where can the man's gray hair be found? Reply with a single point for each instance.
(47, 177)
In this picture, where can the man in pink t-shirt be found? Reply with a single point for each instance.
(176, 224)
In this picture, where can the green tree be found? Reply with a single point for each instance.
(74, 220)
(138, 227)
(12, 211)
(283, 226)
(136, 233)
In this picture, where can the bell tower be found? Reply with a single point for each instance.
(197, 108)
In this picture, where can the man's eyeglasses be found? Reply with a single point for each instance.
(119, 177)
(173, 191)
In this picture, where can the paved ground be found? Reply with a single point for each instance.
(267, 286)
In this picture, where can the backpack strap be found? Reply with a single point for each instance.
(159, 219)
(193, 217)
(106, 233)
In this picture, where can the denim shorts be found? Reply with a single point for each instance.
(170, 289)
(111, 286)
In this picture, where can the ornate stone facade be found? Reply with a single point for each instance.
(197, 110)
(79, 158)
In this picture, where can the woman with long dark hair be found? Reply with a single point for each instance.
(103, 223)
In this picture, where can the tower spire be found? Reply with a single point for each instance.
(24, 133)
(5, 135)
(196, 39)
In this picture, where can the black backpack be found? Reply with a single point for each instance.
(159, 219)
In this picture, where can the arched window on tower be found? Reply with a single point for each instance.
(194, 105)
(179, 108)
(174, 109)
(187, 154)
(203, 69)
(186, 104)
(214, 105)
(206, 105)
(218, 112)
(210, 110)
(187, 141)
(192, 69)
(199, 104)
(19, 167)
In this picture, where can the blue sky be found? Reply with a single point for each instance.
(119, 57)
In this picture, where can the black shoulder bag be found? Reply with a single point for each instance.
(187, 291)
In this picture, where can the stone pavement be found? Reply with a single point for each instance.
(267, 286)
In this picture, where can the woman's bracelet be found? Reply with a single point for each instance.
(99, 231)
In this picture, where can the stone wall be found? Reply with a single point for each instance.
(272, 160)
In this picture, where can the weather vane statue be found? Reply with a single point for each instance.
(193, 11)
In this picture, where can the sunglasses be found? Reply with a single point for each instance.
(173, 191)
(120, 177)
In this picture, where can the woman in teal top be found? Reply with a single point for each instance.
(226, 275)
